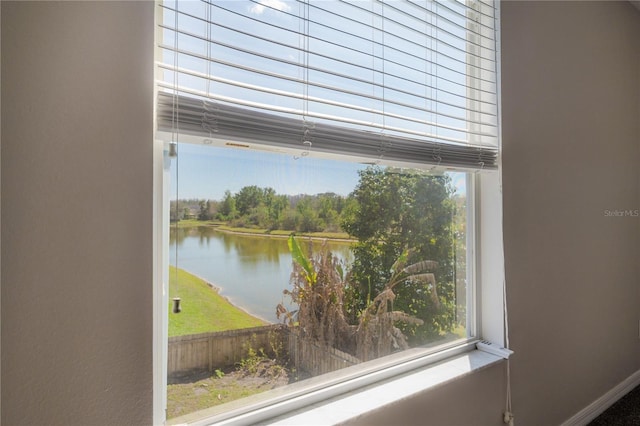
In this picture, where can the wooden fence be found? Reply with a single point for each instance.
(314, 359)
(209, 351)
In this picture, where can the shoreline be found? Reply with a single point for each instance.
(250, 232)
(218, 289)
(283, 236)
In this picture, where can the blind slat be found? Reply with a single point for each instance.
(209, 119)
(415, 107)
(450, 48)
(264, 55)
(325, 117)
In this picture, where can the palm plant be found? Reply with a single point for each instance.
(319, 284)
(318, 289)
(377, 334)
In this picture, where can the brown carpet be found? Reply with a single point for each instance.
(625, 412)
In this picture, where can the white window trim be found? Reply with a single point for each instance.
(161, 282)
(417, 366)
(357, 403)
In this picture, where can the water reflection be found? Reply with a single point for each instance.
(251, 271)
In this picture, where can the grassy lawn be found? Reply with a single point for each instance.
(190, 223)
(203, 309)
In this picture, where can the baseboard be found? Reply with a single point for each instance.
(598, 406)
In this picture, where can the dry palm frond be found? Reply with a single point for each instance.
(377, 334)
(430, 279)
(424, 265)
(318, 289)
(404, 317)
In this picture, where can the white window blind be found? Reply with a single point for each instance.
(404, 81)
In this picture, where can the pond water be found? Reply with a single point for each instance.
(250, 271)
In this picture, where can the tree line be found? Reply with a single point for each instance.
(256, 207)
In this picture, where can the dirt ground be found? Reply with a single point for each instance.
(204, 389)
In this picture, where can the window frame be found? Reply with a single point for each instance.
(486, 294)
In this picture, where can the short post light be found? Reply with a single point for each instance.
(176, 305)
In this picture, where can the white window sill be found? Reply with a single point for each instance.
(348, 399)
(358, 402)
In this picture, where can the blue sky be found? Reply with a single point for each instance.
(205, 172)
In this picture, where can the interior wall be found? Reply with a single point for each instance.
(571, 144)
(76, 183)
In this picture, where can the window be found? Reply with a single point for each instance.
(367, 130)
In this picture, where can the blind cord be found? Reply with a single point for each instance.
(175, 131)
(508, 418)
(508, 412)
(383, 140)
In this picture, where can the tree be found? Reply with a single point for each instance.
(309, 221)
(249, 197)
(392, 211)
(205, 210)
(329, 206)
(227, 208)
(276, 205)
